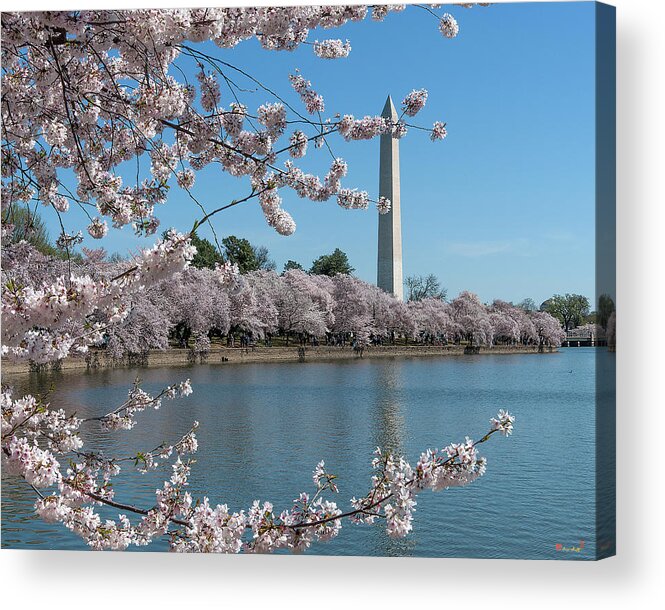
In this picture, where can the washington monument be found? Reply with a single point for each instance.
(389, 269)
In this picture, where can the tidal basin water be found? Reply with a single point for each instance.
(265, 426)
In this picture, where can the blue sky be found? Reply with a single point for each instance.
(503, 207)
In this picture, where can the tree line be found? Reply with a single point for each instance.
(317, 309)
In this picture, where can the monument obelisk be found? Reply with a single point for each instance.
(389, 269)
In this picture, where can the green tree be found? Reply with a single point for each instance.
(236, 249)
(605, 309)
(591, 318)
(239, 251)
(207, 255)
(288, 265)
(419, 287)
(570, 309)
(29, 226)
(332, 264)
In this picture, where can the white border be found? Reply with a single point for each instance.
(58, 579)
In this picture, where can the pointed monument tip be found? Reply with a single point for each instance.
(389, 108)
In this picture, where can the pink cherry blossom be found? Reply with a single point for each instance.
(414, 102)
(438, 131)
(332, 49)
(448, 26)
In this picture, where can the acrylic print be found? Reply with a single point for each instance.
(325, 280)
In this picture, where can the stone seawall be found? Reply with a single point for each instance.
(219, 355)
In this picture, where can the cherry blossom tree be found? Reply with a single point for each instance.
(548, 329)
(196, 303)
(473, 318)
(85, 96)
(353, 316)
(145, 328)
(303, 307)
(433, 320)
(527, 329)
(389, 315)
(505, 321)
(253, 309)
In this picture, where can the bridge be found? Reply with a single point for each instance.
(585, 336)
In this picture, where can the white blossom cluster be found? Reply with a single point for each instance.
(98, 228)
(503, 422)
(439, 131)
(34, 435)
(383, 205)
(138, 400)
(332, 49)
(311, 99)
(414, 102)
(298, 142)
(210, 94)
(448, 26)
(396, 483)
(186, 178)
(46, 322)
(227, 273)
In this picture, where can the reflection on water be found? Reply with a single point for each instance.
(389, 433)
(265, 426)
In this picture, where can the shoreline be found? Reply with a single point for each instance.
(98, 359)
